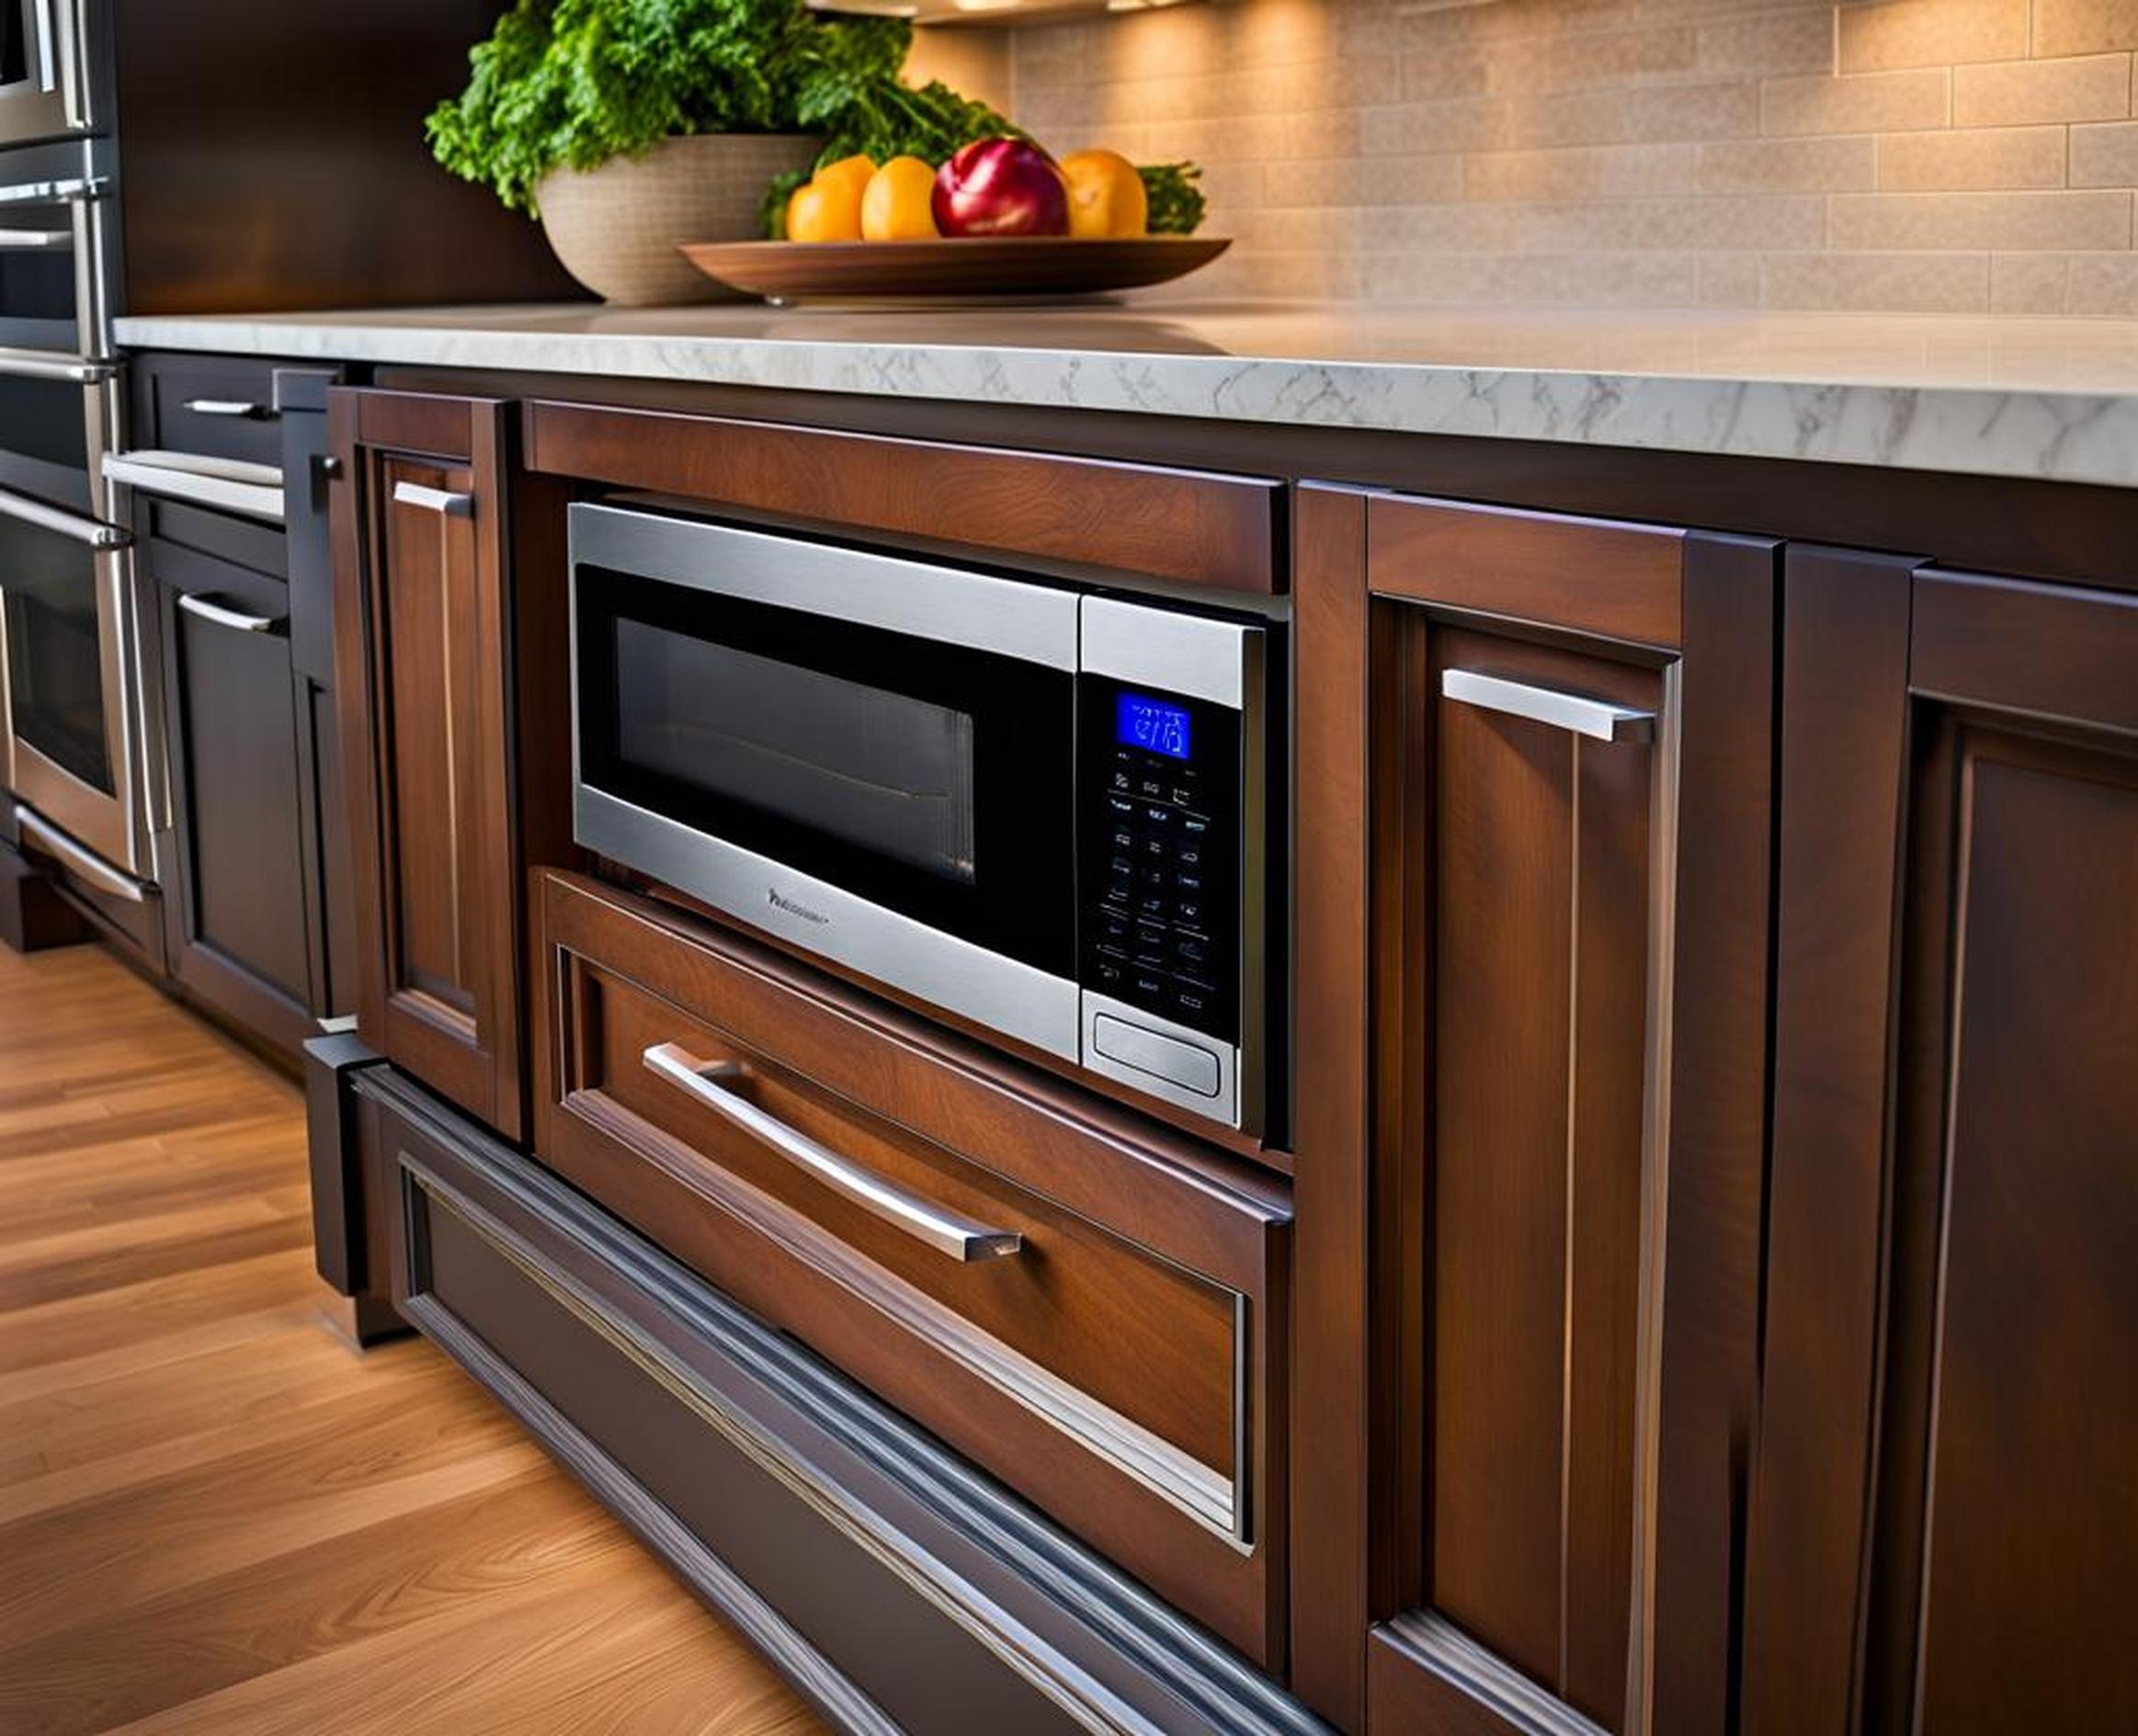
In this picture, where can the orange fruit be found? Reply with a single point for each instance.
(849, 172)
(895, 204)
(1106, 195)
(824, 211)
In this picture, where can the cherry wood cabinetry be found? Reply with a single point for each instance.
(440, 648)
(1944, 1536)
(1533, 845)
(1092, 1311)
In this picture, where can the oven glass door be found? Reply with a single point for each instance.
(64, 627)
(931, 778)
(55, 424)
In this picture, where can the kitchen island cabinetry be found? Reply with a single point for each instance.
(1532, 962)
(1943, 1536)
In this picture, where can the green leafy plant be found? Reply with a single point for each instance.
(569, 83)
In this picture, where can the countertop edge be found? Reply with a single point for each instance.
(2036, 435)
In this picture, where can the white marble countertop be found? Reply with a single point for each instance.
(2048, 398)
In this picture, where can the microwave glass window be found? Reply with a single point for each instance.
(14, 43)
(1156, 726)
(883, 771)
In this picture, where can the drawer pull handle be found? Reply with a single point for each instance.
(242, 409)
(1596, 718)
(235, 620)
(945, 1232)
(434, 500)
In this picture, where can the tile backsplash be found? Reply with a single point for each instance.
(1927, 155)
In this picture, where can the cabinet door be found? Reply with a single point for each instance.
(242, 897)
(422, 683)
(1558, 734)
(1945, 1536)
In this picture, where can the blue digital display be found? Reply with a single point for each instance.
(1151, 724)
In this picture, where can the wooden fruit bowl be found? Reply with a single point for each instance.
(995, 267)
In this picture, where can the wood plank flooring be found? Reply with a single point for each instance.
(215, 1514)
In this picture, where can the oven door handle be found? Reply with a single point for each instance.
(72, 190)
(32, 364)
(78, 858)
(27, 511)
(234, 484)
(35, 240)
(945, 1232)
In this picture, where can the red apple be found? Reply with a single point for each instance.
(1001, 186)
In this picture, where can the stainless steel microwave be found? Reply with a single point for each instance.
(1049, 811)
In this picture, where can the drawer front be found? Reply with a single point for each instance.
(214, 406)
(1190, 527)
(1107, 1347)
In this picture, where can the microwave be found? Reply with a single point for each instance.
(1053, 814)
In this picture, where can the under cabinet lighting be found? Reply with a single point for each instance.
(982, 11)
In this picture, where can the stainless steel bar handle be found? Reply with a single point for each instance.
(92, 867)
(435, 500)
(32, 364)
(35, 240)
(1598, 719)
(25, 510)
(236, 619)
(53, 192)
(945, 1232)
(237, 407)
(48, 65)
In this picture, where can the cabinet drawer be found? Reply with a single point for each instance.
(1191, 526)
(1087, 1310)
(212, 406)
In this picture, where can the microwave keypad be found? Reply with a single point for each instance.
(1160, 933)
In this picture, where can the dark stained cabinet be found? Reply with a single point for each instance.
(243, 896)
(1945, 1536)
(425, 681)
(1560, 756)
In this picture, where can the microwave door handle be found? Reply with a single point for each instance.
(944, 1231)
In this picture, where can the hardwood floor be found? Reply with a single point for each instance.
(215, 1514)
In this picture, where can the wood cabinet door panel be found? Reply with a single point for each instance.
(423, 674)
(1536, 944)
(1946, 1538)
(241, 899)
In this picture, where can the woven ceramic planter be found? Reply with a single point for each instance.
(616, 227)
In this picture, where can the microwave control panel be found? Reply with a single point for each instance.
(1159, 829)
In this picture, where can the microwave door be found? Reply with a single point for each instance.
(870, 758)
(42, 94)
(63, 590)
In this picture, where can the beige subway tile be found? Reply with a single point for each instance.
(2030, 283)
(1757, 223)
(2104, 286)
(2105, 157)
(1588, 279)
(2018, 93)
(1780, 166)
(1465, 123)
(1767, 42)
(1661, 113)
(1579, 172)
(1862, 102)
(1931, 33)
(1599, 60)
(2084, 26)
(2011, 223)
(1429, 75)
(1987, 157)
(1728, 281)
(1884, 283)
(1362, 180)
